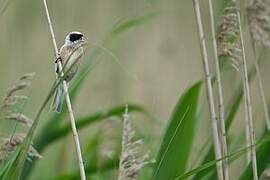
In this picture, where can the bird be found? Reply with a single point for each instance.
(70, 56)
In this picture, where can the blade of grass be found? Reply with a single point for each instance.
(131, 23)
(4, 7)
(262, 159)
(4, 167)
(176, 144)
(232, 156)
(59, 132)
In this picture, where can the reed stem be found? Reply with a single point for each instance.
(248, 102)
(209, 89)
(223, 138)
(68, 101)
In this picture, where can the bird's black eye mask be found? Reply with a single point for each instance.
(75, 37)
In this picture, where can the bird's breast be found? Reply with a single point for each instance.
(73, 58)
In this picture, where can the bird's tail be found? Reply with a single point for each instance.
(58, 99)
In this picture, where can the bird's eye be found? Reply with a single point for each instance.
(75, 37)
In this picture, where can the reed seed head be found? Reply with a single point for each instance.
(23, 82)
(9, 145)
(131, 161)
(20, 118)
(259, 22)
(228, 43)
(10, 99)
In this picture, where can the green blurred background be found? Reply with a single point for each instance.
(155, 62)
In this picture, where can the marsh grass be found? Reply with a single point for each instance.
(18, 157)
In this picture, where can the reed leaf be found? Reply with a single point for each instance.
(177, 141)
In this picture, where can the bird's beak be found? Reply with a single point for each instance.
(84, 40)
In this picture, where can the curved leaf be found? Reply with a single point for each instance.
(262, 154)
(56, 133)
(131, 23)
(177, 142)
(233, 156)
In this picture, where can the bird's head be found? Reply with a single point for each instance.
(75, 38)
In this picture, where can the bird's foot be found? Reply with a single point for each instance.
(58, 59)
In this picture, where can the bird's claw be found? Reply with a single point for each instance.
(58, 59)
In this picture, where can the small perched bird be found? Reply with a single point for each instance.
(70, 55)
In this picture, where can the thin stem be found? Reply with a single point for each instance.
(248, 102)
(223, 139)
(209, 88)
(68, 102)
(51, 28)
(247, 129)
(262, 92)
(259, 76)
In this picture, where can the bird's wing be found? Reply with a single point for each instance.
(64, 53)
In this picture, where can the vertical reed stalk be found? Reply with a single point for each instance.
(71, 115)
(258, 12)
(247, 129)
(209, 88)
(248, 102)
(262, 93)
(223, 139)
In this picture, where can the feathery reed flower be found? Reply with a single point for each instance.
(228, 43)
(10, 99)
(9, 145)
(20, 118)
(23, 82)
(131, 161)
(259, 21)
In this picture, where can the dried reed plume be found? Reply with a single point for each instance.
(11, 99)
(228, 43)
(131, 161)
(20, 118)
(14, 99)
(259, 20)
(9, 145)
(259, 24)
(23, 82)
